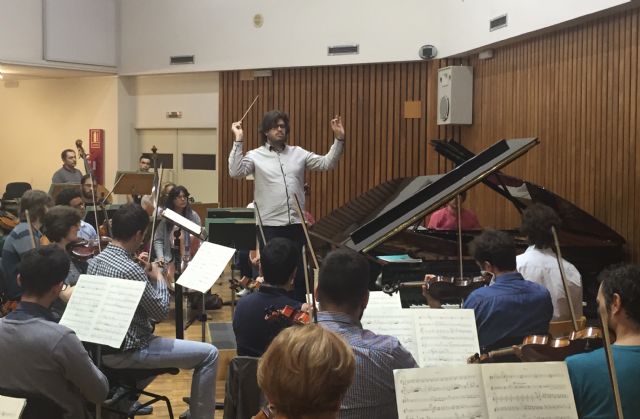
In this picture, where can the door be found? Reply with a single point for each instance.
(189, 158)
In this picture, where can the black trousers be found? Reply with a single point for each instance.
(295, 233)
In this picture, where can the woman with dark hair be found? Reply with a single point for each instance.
(178, 201)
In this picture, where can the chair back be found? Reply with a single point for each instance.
(243, 398)
(15, 190)
(564, 328)
(38, 406)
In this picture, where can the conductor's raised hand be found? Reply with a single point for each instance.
(238, 133)
(337, 127)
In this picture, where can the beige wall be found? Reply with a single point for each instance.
(40, 118)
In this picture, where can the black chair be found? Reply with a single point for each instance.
(14, 190)
(37, 407)
(128, 379)
(243, 398)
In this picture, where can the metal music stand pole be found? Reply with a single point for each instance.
(177, 260)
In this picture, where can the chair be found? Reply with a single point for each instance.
(38, 406)
(243, 398)
(563, 328)
(14, 190)
(128, 379)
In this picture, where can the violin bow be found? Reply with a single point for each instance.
(303, 222)
(87, 168)
(563, 275)
(602, 311)
(31, 236)
(156, 204)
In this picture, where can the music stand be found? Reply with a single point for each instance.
(133, 183)
(238, 233)
(56, 188)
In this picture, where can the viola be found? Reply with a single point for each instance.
(287, 314)
(442, 287)
(541, 348)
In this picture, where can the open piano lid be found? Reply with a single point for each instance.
(419, 196)
(522, 194)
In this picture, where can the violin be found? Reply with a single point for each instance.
(542, 348)
(8, 221)
(83, 250)
(287, 314)
(442, 287)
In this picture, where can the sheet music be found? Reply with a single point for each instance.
(440, 393)
(379, 299)
(445, 336)
(394, 323)
(206, 267)
(183, 222)
(530, 390)
(101, 308)
(11, 407)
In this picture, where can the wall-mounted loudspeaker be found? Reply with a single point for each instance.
(428, 52)
(455, 95)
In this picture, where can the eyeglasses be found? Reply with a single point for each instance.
(282, 126)
(182, 197)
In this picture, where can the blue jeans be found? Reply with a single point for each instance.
(177, 353)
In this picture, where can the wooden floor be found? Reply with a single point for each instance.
(175, 387)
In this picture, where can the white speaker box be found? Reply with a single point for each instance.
(455, 95)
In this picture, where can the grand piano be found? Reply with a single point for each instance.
(383, 221)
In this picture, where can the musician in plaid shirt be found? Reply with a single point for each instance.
(141, 349)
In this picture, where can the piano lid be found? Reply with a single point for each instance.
(522, 194)
(417, 197)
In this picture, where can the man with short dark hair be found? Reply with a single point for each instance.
(68, 172)
(141, 349)
(279, 170)
(40, 356)
(278, 263)
(510, 308)
(144, 163)
(73, 198)
(343, 293)
(619, 294)
(539, 262)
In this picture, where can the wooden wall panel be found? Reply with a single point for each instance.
(575, 89)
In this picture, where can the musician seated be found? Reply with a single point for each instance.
(40, 356)
(343, 292)
(141, 349)
(619, 293)
(61, 226)
(539, 263)
(19, 240)
(68, 172)
(447, 218)
(253, 332)
(73, 198)
(305, 373)
(510, 308)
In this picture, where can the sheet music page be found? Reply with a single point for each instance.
(440, 393)
(206, 267)
(384, 316)
(529, 390)
(11, 408)
(101, 308)
(445, 336)
(183, 222)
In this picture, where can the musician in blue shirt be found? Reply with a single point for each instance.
(510, 308)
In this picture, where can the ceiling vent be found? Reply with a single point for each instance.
(344, 49)
(498, 23)
(182, 59)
